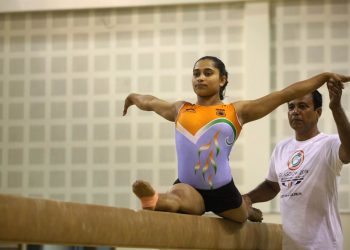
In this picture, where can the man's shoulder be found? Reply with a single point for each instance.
(327, 137)
(320, 137)
(284, 142)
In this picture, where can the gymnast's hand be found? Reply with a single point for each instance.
(338, 79)
(127, 103)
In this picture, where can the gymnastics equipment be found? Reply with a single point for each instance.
(43, 221)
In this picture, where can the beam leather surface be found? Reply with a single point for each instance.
(41, 221)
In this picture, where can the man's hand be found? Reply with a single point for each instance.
(254, 214)
(335, 89)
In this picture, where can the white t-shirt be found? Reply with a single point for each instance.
(308, 174)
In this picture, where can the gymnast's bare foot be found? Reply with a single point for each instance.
(255, 214)
(146, 194)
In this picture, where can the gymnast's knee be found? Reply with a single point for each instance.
(190, 200)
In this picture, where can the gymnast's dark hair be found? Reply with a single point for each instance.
(317, 99)
(222, 69)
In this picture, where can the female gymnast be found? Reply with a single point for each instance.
(205, 134)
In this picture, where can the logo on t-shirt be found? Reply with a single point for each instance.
(292, 176)
(296, 160)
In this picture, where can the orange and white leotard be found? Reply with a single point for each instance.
(204, 139)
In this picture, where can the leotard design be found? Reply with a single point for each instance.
(204, 139)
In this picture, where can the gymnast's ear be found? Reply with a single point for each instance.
(223, 80)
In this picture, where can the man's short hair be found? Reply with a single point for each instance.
(317, 99)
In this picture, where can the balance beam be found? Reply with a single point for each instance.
(42, 221)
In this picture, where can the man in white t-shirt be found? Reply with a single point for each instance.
(306, 170)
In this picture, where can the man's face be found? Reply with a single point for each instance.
(301, 114)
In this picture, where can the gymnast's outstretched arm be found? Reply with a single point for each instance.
(163, 108)
(255, 109)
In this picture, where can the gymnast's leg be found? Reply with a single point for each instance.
(181, 198)
(242, 213)
(239, 214)
(227, 202)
